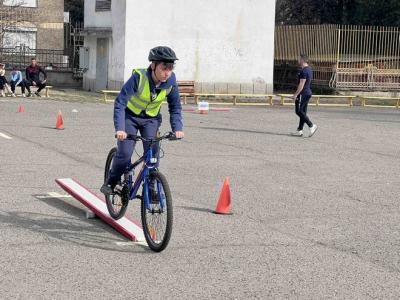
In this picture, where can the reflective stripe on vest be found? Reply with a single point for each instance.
(141, 101)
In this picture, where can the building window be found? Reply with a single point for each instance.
(25, 3)
(103, 5)
(20, 37)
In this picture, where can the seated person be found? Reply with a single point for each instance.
(3, 82)
(33, 78)
(17, 80)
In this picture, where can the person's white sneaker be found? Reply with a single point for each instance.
(23, 95)
(297, 133)
(313, 130)
(13, 95)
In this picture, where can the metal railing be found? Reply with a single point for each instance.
(56, 60)
(343, 57)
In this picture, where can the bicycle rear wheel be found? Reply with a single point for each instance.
(157, 221)
(117, 203)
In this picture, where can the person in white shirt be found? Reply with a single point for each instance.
(16, 79)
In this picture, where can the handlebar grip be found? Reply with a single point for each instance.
(130, 137)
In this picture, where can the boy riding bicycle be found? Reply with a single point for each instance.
(137, 108)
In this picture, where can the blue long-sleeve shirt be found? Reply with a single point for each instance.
(129, 89)
(16, 76)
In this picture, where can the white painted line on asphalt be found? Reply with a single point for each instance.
(125, 226)
(58, 195)
(124, 244)
(5, 136)
(50, 195)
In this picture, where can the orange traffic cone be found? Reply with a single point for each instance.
(60, 121)
(224, 202)
(21, 108)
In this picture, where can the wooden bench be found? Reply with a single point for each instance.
(318, 99)
(186, 89)
(365, 98)
(108, 92)
(268, 97)
(46, 90)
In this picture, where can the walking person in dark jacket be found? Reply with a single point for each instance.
(33, 77)
(302, 96)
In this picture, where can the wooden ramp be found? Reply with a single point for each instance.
(125, 226)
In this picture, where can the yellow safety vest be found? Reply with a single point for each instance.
(142, 101)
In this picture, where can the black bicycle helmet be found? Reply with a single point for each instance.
(162, 54)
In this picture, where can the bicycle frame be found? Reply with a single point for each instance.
(143, 176)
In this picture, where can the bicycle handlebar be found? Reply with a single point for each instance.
(167, 136)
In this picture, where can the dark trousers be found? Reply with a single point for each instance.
(301, 110)
(21, 84)
(39, 84)
(3, 82)
(148, 128)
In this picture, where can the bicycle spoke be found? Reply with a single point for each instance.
(156, 218)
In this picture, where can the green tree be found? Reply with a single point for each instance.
(355, 12)
(75, 8)
(379, 13)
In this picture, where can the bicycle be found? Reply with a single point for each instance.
(156, 199)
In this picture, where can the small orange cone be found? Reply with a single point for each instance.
(224, 202)
(21, 108)
(60, 121)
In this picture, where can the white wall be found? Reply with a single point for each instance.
(117, 44)
(216, 41)
(96, 19)
(114, 19)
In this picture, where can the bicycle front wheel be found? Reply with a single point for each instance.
(157, 219)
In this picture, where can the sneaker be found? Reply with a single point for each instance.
(107, 189)
(29, 94)
(37, 94)
(313, 129)
(297, 133)
(23, 95)
(13, 95)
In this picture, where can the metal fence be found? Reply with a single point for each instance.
(21, 56)
(343, 57)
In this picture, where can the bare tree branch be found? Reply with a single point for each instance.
(13, 15)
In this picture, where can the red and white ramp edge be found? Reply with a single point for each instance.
(125, 226)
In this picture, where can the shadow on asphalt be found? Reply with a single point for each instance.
(74, 228)
(48, 127)
(200, 209)
(244, 131)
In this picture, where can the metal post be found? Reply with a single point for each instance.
(338, 50)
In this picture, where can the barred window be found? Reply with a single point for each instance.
(25, 3)
(103, 5)
(18, 37)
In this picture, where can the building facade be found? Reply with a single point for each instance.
(224, 46)
(37, 24)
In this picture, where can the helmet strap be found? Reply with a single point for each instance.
(153, 72)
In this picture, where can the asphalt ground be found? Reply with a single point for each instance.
(313, 218)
